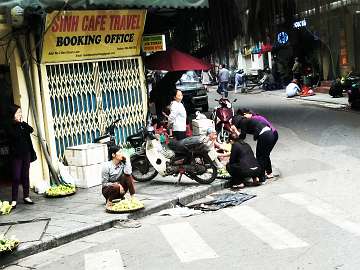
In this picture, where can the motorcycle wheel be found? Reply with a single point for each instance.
(211, 171)
(142, 170)
(223, 136)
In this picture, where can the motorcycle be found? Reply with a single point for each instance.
(344, 84)
(222, 116)
(354, 96)
(190, 156)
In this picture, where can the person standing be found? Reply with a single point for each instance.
(116, 176)
(177, 116)
(242, 163)
(296, 69)
(223, 77)
(262, 134)
(22, 153)
(251, 115)
(206, 79)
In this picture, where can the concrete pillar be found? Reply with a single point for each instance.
(21, 98)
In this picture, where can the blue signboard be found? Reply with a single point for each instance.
(282, 38)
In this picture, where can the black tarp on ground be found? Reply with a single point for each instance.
(222, 201)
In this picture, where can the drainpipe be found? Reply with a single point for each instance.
(29, 87)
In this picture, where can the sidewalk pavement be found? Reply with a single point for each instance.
(319, 99)
(51, 222)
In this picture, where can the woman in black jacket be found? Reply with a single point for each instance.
(242, 163)
(262, 134)
(21, 154)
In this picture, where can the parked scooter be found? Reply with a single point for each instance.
(190, 156)
(343, 85)
(222, 116)
(354, 96)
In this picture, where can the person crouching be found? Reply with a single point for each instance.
(116, 176)
(242, 163)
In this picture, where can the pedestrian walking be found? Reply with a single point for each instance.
(223, 78)
(252, 115)
(262, 134)
(116, 176)
(21, 153)
(239, 80)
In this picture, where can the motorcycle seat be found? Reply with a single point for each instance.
(187, 144)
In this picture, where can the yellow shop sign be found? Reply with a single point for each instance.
(81, 35)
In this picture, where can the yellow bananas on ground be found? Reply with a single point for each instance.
(223, 173)
(60, 190)
(5, 207)
(7, 244)
(126, 205)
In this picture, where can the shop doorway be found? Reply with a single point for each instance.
(6, 98)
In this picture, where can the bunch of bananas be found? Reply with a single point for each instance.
(7, 244)
(5, 207)
(126, 205)
(60, 190)
(223, 173)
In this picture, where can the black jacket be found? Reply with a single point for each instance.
(248, 126)
(19, 140)
(242, 156)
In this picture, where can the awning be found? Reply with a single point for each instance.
(174, 60)
(109, 3)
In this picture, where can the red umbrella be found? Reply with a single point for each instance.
(174, 60)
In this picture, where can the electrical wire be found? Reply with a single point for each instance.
(47, 29)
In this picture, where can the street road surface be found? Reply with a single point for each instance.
(282, 228)
(309, 218)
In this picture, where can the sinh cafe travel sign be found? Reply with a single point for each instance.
(88, 34)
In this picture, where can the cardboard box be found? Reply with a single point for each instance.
(86, 176)
(200, 126)
(86, 154)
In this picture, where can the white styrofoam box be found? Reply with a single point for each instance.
(86, 154)
(200, 126)
(86, 176)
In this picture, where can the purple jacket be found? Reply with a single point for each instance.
(262, 119)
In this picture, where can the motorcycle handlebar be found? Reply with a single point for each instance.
(110, 129)
(117, 120)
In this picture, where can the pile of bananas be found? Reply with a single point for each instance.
(126, 205)
(7, 244)
(61, 190)
(223, 173)
(5, 207)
